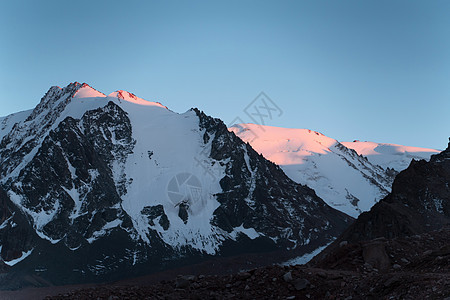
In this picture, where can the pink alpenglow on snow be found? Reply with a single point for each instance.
(130, 97)
(338, 174)
(393, 156)
(284, 146)
(87, 91)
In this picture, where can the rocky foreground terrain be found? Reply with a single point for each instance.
(414, 267)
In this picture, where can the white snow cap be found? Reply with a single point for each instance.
(130, 97)
(121, 94)
(87, 91)
(393, 156)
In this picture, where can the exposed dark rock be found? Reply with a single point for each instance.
(24, 137)
(16, 234)
(183, 211)
(69, 147)
(182, 283)
(374, 253)
(300, 284)
(287, 277)
(419, 202)
(154, 212)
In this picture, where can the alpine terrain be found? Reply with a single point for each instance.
(96, 187)
(397, 157)
(398, 250)
(419, 203)
(350, 177)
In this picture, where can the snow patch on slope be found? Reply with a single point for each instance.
(304, 259)
(250, 232)
(108, 226)
(17, 260)
(40, 218)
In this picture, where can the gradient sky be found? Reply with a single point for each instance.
(367, 70)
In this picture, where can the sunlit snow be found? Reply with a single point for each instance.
(339, 177)
(393, 156)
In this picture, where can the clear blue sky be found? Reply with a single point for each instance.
(368, 70)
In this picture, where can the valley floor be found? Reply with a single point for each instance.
(416, 267)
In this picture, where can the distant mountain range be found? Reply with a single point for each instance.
(349, 176)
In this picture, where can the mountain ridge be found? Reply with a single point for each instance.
(345, 178)
(418, 205)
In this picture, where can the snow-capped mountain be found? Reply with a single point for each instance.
(397, 157)
(345, 179)
(100, 187)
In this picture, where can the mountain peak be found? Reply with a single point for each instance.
(121, 94)
(130, 97)
(84, 90)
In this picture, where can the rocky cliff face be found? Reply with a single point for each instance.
(97, 187)
(419, 202)
(402, 243)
